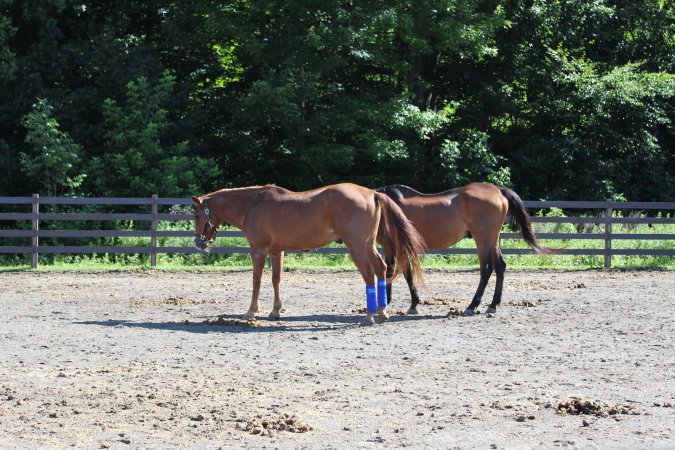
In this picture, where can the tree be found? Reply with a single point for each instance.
(320, 92)
(574, 104)
(7, 56)
(561, 98)
(54, 160)
(139, 160)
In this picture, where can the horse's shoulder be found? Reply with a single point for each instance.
(263, 194)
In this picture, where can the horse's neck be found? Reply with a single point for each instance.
(232, 204)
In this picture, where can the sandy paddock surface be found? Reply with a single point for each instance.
(154, 359)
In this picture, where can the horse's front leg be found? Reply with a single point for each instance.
(258, 257)
(277, 267)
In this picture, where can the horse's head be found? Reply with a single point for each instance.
(205, 230)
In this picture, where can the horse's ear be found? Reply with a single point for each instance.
(197, 200)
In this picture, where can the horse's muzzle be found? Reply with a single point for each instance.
(201, 243)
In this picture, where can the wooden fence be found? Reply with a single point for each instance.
(9, 227)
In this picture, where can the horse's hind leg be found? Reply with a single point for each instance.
(389, 260)
(277, 266)
(500, 268)
(258, 259)
(486, 268)
(372, 269)
(379, 268)
(414, 296)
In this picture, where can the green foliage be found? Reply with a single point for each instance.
(331, 92)
(137, 161)
(579, 110)
(560, 99)
(470, 160)
(7, 56)
(53, 160)
(618, 119)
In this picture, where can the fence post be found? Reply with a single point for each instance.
(153, 232)
(35, 226)
(608, 234)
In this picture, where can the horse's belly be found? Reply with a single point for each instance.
(297, 236)
(440, 232)
(303, 242)
(442, 242)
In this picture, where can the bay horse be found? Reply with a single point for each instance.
(476, 210)
(275, 219)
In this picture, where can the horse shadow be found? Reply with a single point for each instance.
(232, 324)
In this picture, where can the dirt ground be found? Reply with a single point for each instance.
(154, 359)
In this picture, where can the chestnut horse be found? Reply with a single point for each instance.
(477, 210)
(275, 219)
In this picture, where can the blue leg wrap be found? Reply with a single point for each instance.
(382, 293)
(371, 299)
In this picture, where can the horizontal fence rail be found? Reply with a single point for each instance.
(10, 229)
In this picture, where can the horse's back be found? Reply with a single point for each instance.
(437, 217)
(444, 218)
(288, 220)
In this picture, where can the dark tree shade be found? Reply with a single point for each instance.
(560, 99)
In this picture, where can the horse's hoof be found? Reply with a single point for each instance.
(468, 312)
(382, 313)
(274, 315)
(490, 310)
(368, 320)
(249, 315)
(412, 311)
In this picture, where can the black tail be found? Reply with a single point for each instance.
(520, 221)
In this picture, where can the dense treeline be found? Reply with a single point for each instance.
(561, 99)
